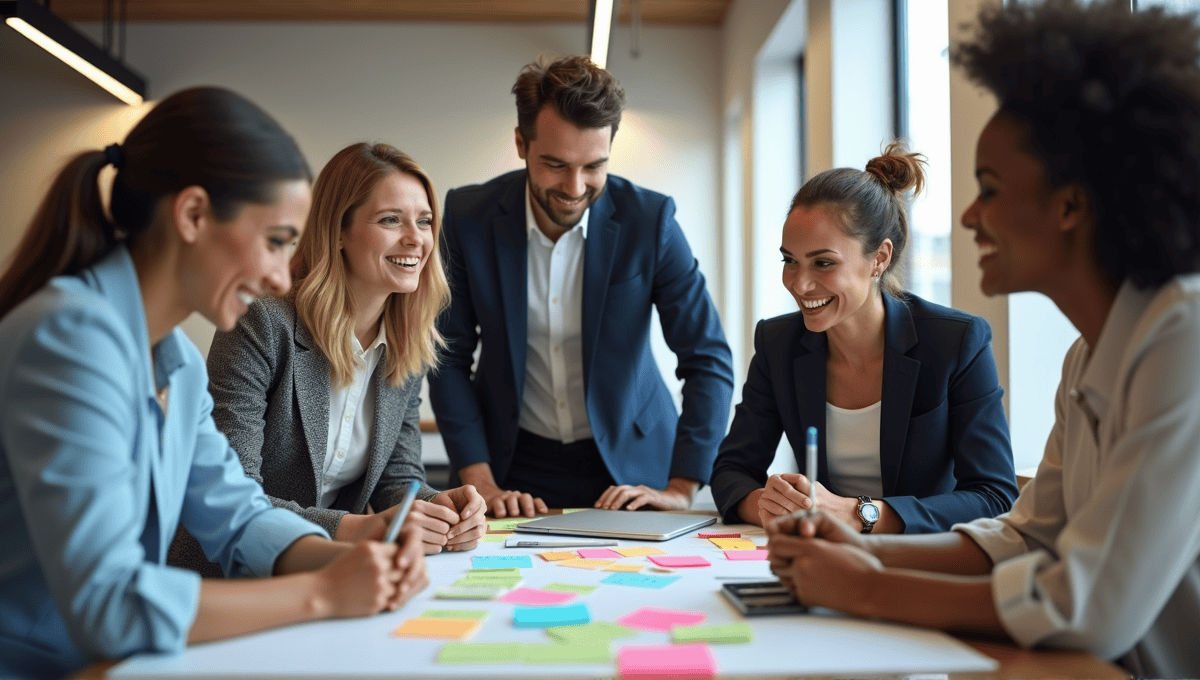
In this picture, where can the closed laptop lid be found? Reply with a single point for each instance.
(645, 526)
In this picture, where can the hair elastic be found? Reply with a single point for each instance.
(115, 155)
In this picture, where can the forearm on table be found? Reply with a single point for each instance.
(684, 486)
(941, 601)
(308, 553)
(948, 552)
(230, 608)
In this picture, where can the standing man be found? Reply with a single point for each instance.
(556, 268)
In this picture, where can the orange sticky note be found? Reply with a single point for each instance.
(624, 567)
(555, 556)
(580, 563)
(437, 628)
(733, 543)
(639, 551)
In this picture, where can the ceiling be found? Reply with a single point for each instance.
(673, 12)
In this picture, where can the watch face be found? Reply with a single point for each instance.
(869, 512)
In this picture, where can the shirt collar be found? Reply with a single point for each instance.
(531, 221)
(379, 341)
(116, 278)
(1099, 378)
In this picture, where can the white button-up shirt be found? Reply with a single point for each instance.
(1100, 550)
(553, 403)
(351, 421)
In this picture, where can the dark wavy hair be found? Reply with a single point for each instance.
(585, 94)
(204, 136)
(1110, 100)
(870, 204)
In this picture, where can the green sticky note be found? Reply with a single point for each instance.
(469, 593)
(568, 653)
(596, 632)
(454, 614)
(506, 524)
(570, 588)
(493, 572)
(732, 632)
(568, 511)
(480, 652)
(505, 581)
(495, 538)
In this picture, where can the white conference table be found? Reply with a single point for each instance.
(819, 644)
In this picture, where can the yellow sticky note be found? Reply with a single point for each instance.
(623, 567)
(437, 628)
(733, 543)
(639, 551)
(581, 563)
(555, 556)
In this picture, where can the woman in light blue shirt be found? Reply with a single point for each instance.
(106, 438)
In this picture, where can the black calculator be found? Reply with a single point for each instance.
(756, 598)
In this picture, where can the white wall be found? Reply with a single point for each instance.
(437, 91)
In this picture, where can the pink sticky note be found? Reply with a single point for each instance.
(719, 534)
(598, 554)
(534, 596)
(685, 662)
(745, 554)
(679, 561)
(654, 618)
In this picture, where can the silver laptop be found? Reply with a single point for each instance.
(643, 526)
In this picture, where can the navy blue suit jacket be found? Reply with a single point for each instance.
(944, 453)
(635, 258)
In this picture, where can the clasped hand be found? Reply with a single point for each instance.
(821, 560)
(786, 493)
(452, 520)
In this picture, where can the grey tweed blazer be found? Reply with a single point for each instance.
(270, 387)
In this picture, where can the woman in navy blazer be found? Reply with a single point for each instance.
(904, 394)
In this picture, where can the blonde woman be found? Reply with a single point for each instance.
(318, 391)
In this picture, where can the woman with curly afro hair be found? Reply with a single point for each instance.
(1089, 193)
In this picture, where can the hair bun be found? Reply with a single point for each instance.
(898, 169)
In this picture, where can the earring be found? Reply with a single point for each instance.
(875, 279)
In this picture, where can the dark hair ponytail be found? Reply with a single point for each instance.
(870, 203)
(206, 136)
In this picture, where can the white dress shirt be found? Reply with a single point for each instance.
(553, 403)
(1099, 552)
(852, 450)
(351, 421)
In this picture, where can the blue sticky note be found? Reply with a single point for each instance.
(502, 562)
(640, 580)
(544, 617)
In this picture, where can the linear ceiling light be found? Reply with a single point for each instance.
(601, 15)
(62, 40)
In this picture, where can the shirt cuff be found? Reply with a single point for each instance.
(1026, 616)
(266, 537)
(995, 537)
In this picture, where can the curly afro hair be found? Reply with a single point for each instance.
(1111, 101)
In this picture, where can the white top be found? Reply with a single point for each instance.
(553, 403)
(852, 450)
(351, 421)
(1099, 552)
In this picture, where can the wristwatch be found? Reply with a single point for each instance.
(868, 513)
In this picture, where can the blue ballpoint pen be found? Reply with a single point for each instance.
(393, 529)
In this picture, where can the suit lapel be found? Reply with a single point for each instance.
(900, 374)
(512, 264)
(808, 378)
(388, 420)
(599, 250)
(310, 381)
